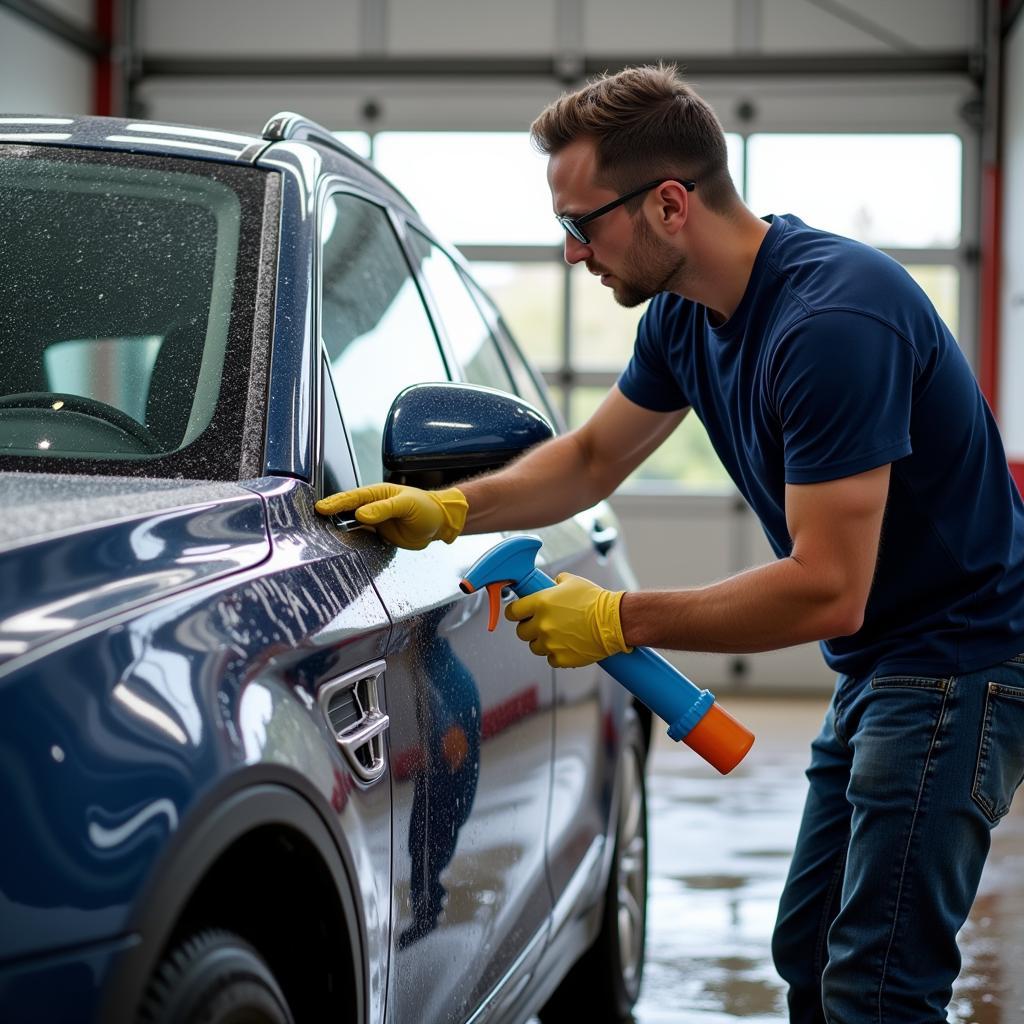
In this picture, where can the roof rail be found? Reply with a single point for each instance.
(288, 125)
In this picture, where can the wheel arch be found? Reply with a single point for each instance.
(208, 866)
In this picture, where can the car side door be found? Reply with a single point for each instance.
(588, 704)
(470, 738)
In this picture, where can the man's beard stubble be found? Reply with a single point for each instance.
(652, 266)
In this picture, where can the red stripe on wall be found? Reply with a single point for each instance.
(103, 74)
(1017, 471)
(988, 328)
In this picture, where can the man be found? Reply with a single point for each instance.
(850, 421)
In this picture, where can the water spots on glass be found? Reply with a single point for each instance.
(116, 282)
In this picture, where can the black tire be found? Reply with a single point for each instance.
(605, 983)
(214, 977)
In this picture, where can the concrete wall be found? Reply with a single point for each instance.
(40, 74)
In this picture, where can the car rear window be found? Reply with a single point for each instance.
(120, 277)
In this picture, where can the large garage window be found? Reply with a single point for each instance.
(898, 192)
(487, 192)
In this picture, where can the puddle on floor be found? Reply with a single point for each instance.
(720, 850)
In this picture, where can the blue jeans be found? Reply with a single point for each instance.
(908, 777)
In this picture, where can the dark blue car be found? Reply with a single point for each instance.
(255, 764)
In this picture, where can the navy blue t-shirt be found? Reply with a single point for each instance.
(834, 363)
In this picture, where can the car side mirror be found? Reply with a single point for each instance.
(438, 434)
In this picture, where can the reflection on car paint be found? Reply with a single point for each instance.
(107, 838)
(445, 776)
(149, 712)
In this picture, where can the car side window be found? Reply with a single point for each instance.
(526, 383)
(475, 347)
(375, 328)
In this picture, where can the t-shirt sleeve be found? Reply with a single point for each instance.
(647, 379)
(842, 387)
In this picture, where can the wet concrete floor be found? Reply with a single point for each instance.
(720, 849)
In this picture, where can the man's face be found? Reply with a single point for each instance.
(624, 249)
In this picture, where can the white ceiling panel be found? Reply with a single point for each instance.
(470, 27)
(867, 26)
(197, 28)
(926, 24)
(659, 27)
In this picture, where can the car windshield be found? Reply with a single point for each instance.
(117, 279)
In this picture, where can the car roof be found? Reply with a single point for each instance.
(133, 135)
(119, 134)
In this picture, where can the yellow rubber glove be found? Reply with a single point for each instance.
(574, 623)
(406, 516)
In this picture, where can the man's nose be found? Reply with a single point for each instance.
(575, 250)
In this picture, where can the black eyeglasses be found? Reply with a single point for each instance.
(574, 225)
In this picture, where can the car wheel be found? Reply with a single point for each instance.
(605, 983)
(214, 977)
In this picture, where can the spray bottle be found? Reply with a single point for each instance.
(693, 715)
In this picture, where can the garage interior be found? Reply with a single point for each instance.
(900, 122)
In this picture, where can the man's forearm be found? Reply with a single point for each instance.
(546, 485)
(767, 608)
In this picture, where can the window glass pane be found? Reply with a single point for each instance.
(603, 332)
(942, 285)
(473, 187)
(734, 146)
(526, 381)
(116, 286)
(475, 349)
(557, 393)
(374, 325)
(686, 460)
(886, 190)
(530, 297)
(116, 371)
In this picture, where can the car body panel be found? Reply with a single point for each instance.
(220, 680)
(75, 552)
(471, 751)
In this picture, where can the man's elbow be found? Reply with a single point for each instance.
(844, 617)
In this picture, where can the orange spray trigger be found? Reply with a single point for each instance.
(493, 597)
(494, 603)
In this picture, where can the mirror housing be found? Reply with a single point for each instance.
(437, 434)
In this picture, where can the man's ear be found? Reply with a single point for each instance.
(673, 206)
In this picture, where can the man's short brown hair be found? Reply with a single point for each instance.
(645, 122)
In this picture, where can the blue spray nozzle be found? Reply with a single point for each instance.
(508, 562)
(694, 716)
